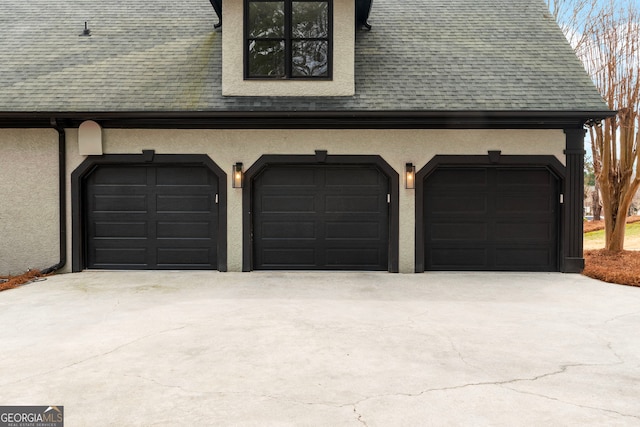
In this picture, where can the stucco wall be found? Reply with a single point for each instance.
(226, 147)
(342, 84)
(29, 232)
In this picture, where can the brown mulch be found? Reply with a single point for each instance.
(10, 282)
(614, 267)
(590, 226)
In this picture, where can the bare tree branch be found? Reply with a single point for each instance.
(606, 37)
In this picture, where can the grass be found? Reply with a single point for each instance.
(595, 239)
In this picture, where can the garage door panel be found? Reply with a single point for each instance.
(297, 230)
(151, 226)
(458, 231)
(292, 203)
(351, 179)
(278, 177)
(523, 203)
(120, 229)
(180, 257)
(122, 203)
(112, 257)
(188, 203)
(183, 230)
(121, 242)
(288, 258)
(353, 230)
(524, 231)
(352, 258)
(446, 178)
(457, 258)
(523, 177)
(121, 190)
(514, 258)
(468, 204)
(352, 204)
(126, 176)
(181, 176)
(341, 222)
(509, 223)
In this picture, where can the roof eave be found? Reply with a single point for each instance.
(311, 119)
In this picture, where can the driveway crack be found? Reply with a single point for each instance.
(359, 416)
(462, 358)
(611, 411)
(96, 356)
(504, 383)
(613, 319)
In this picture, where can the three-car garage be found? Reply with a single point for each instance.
(316, 213)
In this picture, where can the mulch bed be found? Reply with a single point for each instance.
(622, 268)
(10, 282)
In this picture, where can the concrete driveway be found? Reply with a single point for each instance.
(323, 349)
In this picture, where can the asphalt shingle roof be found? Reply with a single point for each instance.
(163, 55)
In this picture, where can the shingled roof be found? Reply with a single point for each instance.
(164, 56)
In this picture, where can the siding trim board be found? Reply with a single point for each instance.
(320, 158)
(83, 171)
(493, 159)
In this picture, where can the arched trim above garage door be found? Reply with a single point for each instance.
(148, 157)
(320, 158)
(493, 158)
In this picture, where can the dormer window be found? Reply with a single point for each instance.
(290, 39)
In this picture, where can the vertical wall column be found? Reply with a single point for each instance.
(573, 258)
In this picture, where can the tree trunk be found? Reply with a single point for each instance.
(615, 239)
(618, 197)
(596, 207)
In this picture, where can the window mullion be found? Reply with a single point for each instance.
(288, 34)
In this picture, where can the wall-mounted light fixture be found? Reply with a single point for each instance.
(237, 175)
(409, 176)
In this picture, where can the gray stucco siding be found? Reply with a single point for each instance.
(29, 211)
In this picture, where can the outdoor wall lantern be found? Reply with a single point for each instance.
(409, 176)
(238, 175)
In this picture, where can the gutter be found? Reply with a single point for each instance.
(62, 169)
(326, 119)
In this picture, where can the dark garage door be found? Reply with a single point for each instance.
(151, 217)
(491, 218)
(320, 218)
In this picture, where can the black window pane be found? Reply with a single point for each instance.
(266, 19)
(266, 58)
(310, 19)
(310, 58)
